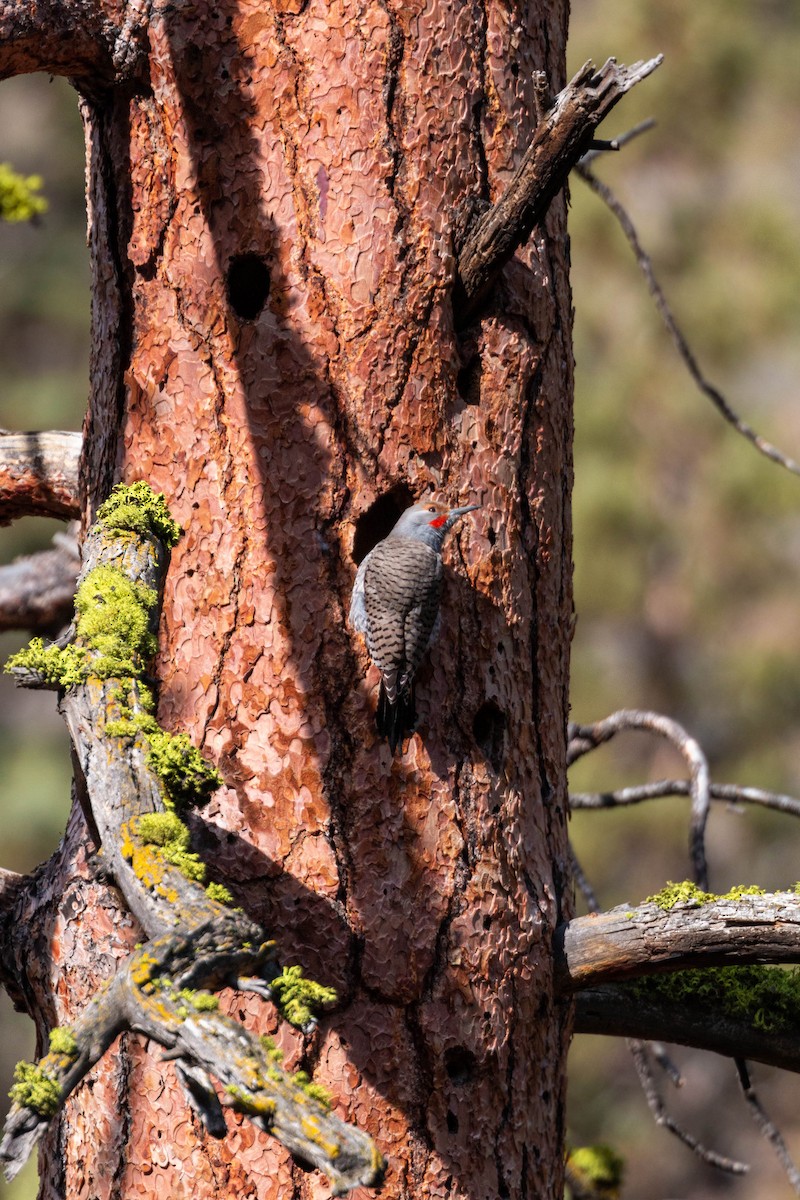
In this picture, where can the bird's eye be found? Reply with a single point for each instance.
(431, 508)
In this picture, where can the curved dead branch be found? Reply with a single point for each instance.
(631, 942)
(584, 738)
(197, 942)
(563, 134)
(39, 475)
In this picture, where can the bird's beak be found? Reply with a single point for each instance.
(455, 513)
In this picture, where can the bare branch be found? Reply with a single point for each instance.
(631, 942)
(37, 590)
(730, 793)
(39, 474)
(583, 738)
(562, 136)
(612, 1010)
(766, 1126)
(87, 40)
(618, 142)
(661, 1117)
(676, 333)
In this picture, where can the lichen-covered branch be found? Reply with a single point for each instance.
(681, 928)
(694, 1014)
(563, 135)
(139, 780)
(39, 475)
(37, 590)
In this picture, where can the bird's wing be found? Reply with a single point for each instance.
(358, 612)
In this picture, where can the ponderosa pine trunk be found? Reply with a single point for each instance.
(275, 192)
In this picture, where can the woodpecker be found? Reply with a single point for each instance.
(395, 604)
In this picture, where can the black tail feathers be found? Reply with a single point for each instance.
(395, 720)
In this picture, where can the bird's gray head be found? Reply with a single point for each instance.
(429, 522)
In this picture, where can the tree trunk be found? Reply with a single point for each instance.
(273, 206)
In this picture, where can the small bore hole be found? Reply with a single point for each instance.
(468, 380)
(489, 731)
(452, 1122)
(459, 1062)
(248, 285)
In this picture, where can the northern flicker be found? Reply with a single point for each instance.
(395, 604)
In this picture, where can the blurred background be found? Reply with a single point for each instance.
(687, 542)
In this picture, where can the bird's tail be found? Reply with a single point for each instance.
(396, 718)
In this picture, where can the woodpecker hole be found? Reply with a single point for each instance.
(373, 525)
(468, 380)
(452, 1122)
(489, 730)
(459, 1062)
(248, 285)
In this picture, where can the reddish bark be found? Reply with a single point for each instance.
(317, 153)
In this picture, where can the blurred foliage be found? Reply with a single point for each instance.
(18, 199)
(687, 542)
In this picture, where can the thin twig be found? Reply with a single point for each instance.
(678, 338)
(583, 738)
(670, 1069)
(729, 793)
(585, 888)
(766, 1126)
(661, 1116)
(618, 142)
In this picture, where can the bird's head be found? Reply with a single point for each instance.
(429, 521)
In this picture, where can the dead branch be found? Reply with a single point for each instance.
(677, 335)
(629, 942)
(767, 1127)
(196, 940)
(90, 42)
(39, 474)
(562, 136)
(37, 590)
(613, 1011)
(584, 738)
(662, 1118)
(729, 793)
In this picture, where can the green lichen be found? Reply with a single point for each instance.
(199, 1001)
(218, 892)
(113, 637)
(767, 998)
(689, 893)
(273, 1052)
(63, 1041)
(34, 1088)
(62, 668)
(136, 508)
(185, 774)
(167, 831)
(18, 199)
(315, 1091)
(113, 621)
(598, 1169)
(297, 998)
(259, 1105)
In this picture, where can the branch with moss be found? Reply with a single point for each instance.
(678, 928)
(140, 780)
(39, 475)
(563, 135)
